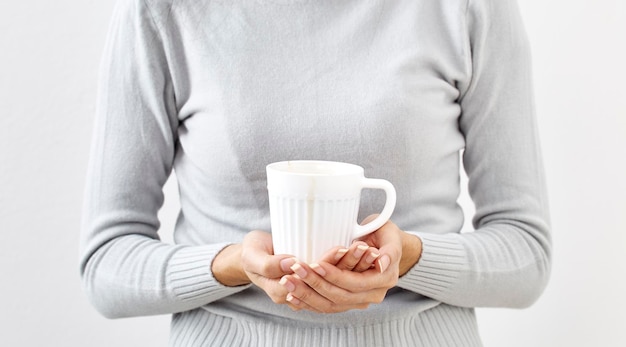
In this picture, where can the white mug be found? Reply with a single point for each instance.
(314, 206)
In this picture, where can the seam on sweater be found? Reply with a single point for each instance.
(170, 79)
(152, 18)
(467, 51)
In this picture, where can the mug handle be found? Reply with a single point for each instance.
(390, 204)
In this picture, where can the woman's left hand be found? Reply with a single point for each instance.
(327, 288)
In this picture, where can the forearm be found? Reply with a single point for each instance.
(134, 275)
(497, 266)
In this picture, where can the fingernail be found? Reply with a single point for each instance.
(288, 285)
(292, 299)
(360, 250)
(371, 257)
(299, 270)
(318, 269)
(287, 263)
(383, 263)
(341, 253)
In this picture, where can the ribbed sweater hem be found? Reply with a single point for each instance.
(442, 325)
(442, 260)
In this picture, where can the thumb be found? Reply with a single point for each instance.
(258, 256)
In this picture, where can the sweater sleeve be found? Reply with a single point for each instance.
(126, 270)
(505, 262)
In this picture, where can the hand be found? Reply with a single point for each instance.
(411, 244)
(253, 261)
(326, 288)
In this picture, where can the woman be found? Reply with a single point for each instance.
(217, 90)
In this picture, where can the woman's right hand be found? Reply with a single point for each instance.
(254, 261)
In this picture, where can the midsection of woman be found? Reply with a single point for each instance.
(371, 83)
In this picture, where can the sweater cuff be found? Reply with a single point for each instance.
(190, 277)
(437, 272)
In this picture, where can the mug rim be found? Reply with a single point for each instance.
(342, 168)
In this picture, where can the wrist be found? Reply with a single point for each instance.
(411, 252)
(227, 268)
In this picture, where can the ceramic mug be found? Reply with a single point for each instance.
(314, 206)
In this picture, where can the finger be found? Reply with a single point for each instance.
(355, 282)
(308, 285)
(367, 260)
(334, 308)
(290, 283)
(353, 256)
(369, 218)
(334, 255)
(272, 288)
(296, 304)
(304, 297)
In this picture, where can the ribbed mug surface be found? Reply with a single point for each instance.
(307, 228)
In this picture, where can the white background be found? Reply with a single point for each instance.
(49, 53)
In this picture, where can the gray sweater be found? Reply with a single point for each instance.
(216, 90)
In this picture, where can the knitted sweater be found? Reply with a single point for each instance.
(216, 90)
